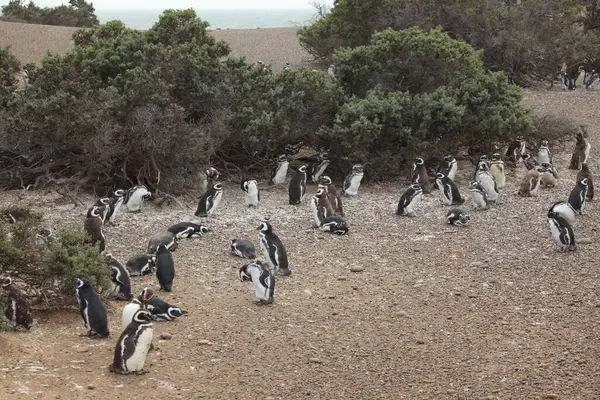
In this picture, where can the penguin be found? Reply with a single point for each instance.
(528, 161)
(580, 80)
(167, 239)
(449, 190)
(141, 265)
(418, 174)
(320, 207)
(486, 180)
(286, 65)
(92, 309)
(163, 311)
(263, 280)
(548, 175)
(136, 304)
(44, 237)
(334, 198)
(478, 195)
(458, 217)
(133, 345)
(544, 154)
(297, 187)
(567, 82)
(451, 167)
(188, 230)
(581, 153)
(251, 192)
(515, 150)
(135, 198)
(497, 170)
(273, 249)
(483, 161)
(593, 80)
(280, 171)
(120, 279)
(103, 206)
(352, 180)
(209, 202)
(18, 310)
(243, 248)
(562, 232)
(409, 199)
(565, 210)
(530, 183)
(578, 196)
(335, 225)
(207, 179)
(331, 71)
(93, 227)
(585, 172)
(112, 205)
(315, 170)
(165, 268)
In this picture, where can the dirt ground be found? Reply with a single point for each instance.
(489, 311)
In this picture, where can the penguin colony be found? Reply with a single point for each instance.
(145, 307)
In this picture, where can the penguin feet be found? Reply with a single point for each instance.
(285, 272)
(262, 302)
(142, 372)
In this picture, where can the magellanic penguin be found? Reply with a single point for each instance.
(335, 225)
(163, 311)
(320, 207)
(548, 175)
(168, 239)
(581, 153)
(113, 205)
(92, 309)
(486, 180)
(528, 161)
(263, 280)
(449, 190)
(334, 198)
(120, 279)
(135, 198)
(562, 232)
(483, 161)
(352, 180)
(419, 175)
(207, 179)
(515, 150)
(243, 248)
(592, 82)
(450, 167)
(478, 195)
(93, 227)
(133, 345)
(18, 309)
(279, 172)
(409, 199)
(297, 187)
(578, 196)
(165, 268)
(530, 183)
(273, 249)
(251, 192)
(497, 170)
(458, 217)
(544, 154)
(580, 80)
(567, 82)
(565, 210)
(209, 202)
(138, 303)
(315, 170)
(141, 265)
(585, 172)
(188, 230)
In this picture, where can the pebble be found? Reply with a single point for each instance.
(91, 386)
(205, 342)
(315, 360)
(166, 336)
(585, 241)
(83, 349)
(420, 341)
(550, 396)
(356, 269)
(476, 264)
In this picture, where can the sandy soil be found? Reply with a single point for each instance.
(490, 311)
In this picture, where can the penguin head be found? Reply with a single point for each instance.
(483, 158)
(320, 193)
(302, 169)
(544, 143)
(496, 157)
(119, 193)
(519, 139)
(82, 283)
(449, 158)
(464, 217)
(244, 184)
(581, 68)
(203, 230)
(5, 281)
(419, 161)
(265, 227)
(546, 166)
(473, 185)
(161, 249)
(584, 182)
(356, 168)
(552, 214)
(416, 187)
(145, 295)
(218, 187)
(440, 175)
(212, 173)
(483, 165)
(282, 158)
(104, 200)
(142, 316)
(94, 212)
(175, 312)
(325, 180)
(323, 187)
(323, 154)
(244, 273)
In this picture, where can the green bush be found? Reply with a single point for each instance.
(78, 13)
(9, 68)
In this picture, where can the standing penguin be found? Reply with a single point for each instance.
(515, 150)
(544, 154)
(243, 248)
(120, 279)
(280, 170)
(419, 175)
(586, 173)
(565, 210)
(483, 161)
(113, 204)
(528, 161)
(451, 167)
(458, 217)
(320, 206)
(163, 311)
(188, 230)
(486, 180)
(209, 202)
(530, 183)
(135, 198)
(478, 195)
(562, 232)
(92, 309)
(497, 170)
(548, 175)
(93, 227)
(273, 249)
(449, 190)
(580, 80)
(165, 268)
(592, 82)
(136, 304)
(18, 309)
(315, 170)
(352, 181)
(140, 265)
(263, 280)
(297, 187)
(578, 196)
(334, 198)
(207, 179)
(409, 199)
(581, 153)
(251, 192)
(133, 345)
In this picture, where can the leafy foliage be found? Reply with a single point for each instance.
(9, 68)
(78, 13)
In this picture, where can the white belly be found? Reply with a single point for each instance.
(265, 249)
(555, 232)
(281, 174)
(548, 179)
(135, 201)
(138, 358)
(452, 172)
(251, 197)
(410, 208)
(354, 185)
(128, 312)
(315, 211)
(543, 157)
(498, 175)
(534, 187)
(118, 205)
(488, 185)
(215, 204)
(565, 211)
(478, 200)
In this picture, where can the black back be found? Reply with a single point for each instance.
(578, 197)
(205, 203)
(297, 187)
(140, 265)
(91, 305)
(165, 268)
(120, 277)
(274, 245)
(127, 343)
(182, 226)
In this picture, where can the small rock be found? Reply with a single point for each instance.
(315, 360)
(476, 264)
(584, 241)
(205, 342)
(550, 396)
(307, 292)
(166, 336)
(342, 278)
(420, 341)
(83, 349)
(402, 314)
(357, 269)
(91, 386)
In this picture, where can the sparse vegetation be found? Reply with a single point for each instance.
(78, 13)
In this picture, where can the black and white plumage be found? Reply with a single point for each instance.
(263, 280)
(251, 192)
(165, 268)
(93, 227)
(483, 162)
(591, 82)
(243, 248)
(548, 175)
(110, 206)
(286, 65)
(321, 207)
(544, 154)
(562, 232)
(297, 187)
(163, 311)
(92, 309)
(138, 303)
(419, 175)
(585, 172)
(515, 150)
(18, 310)
(578, 196)
(279, 173)
(580, 80)
(141, 265)
(486, 180)
(315, 170)
(497, 170)
(478, 196)
(209, 202)
(353, 180)
(167, 239)
(188, 230)
(335, 225)
(207, 179)
(449, 190)
(581, 152)
(120, 279)
(450, 167)
(528, 161)
(334, 198)
(565, 210)
(133, 345)
(567, 82)
(409, 199)
(458, 217)
(273, 249)
(135, 198)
